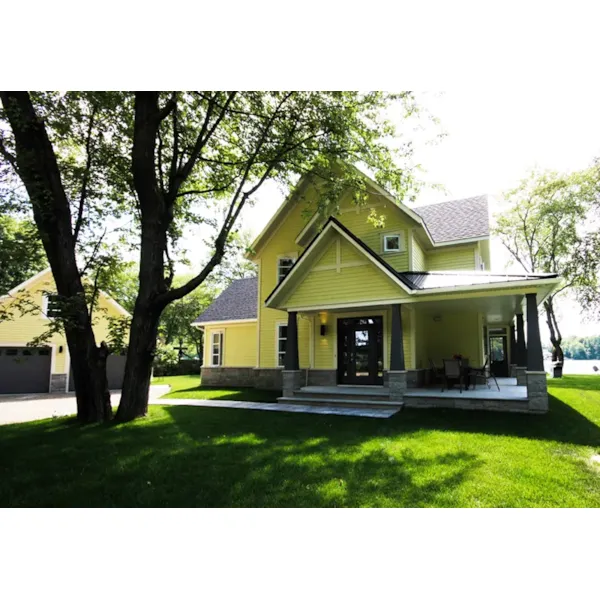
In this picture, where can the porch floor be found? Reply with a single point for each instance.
(509, 390)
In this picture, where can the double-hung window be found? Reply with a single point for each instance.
(281, 344)
(284, 265)
(216, 348)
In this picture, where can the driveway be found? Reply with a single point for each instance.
(31, 407)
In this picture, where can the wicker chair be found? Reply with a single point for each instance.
(452, 372)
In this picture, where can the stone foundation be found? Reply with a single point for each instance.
(397, 385)
(512, 371)
(268, 379)
(470, 404)
(292, 381)
(58, 383)
(322, 377)
(537, 391)
(520, 375)
(415, 378)
(228, 376)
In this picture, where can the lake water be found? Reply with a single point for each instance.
(576, 367)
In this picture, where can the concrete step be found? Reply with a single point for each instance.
(380, 394)
(341, 401)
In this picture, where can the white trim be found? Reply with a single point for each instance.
(224, 323)
(525, 283)
(289, 255)
(401, 242)
(461, 241)
(278, 324)
(340, 266)
(220, 332)
(410, 242)
(25, 284)
(357, 305)
(67, 366)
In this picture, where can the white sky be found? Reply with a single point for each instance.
(494, 138)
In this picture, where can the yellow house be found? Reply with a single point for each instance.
(46, 368)
(347, 311)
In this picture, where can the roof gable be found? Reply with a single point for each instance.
(44, 279)
(317, 258)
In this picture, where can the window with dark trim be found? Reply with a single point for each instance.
(53, 306)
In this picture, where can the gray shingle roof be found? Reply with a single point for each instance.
(457, 219)
(237, 302)
(427, 280)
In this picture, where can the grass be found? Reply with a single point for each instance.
(187, 456)
(188, 387)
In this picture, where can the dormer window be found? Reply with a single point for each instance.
(393, 243)
(284, 266)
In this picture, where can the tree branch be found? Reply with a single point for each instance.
(86, 175)
(8, 156)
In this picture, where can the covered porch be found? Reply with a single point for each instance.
(492, 327)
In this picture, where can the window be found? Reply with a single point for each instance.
(216, 348)
(393, 243)
(281, 344)
(284, 266)
(52, 306)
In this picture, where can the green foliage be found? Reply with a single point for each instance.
(118, 328)
(582, 348)
(21, 252)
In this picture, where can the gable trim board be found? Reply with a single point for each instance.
(224, 322)
(332, 225)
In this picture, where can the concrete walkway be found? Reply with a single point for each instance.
(375, 413)
(21, 408)
(32, 407)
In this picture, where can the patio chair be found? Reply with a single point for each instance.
(437, 374)
(452, 372)
(484, 373)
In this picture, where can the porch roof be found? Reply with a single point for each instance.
(428, 280)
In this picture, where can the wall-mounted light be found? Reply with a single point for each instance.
(437, 318)
(323, 329)
(60, 349)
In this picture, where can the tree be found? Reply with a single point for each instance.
(160, 161)
(21, 252)
(545, 229)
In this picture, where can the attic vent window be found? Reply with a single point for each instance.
(53, 306)
(393, 243)
(284, 266)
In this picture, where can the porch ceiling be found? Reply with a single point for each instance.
(496, 310)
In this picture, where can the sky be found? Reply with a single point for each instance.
(494, 138)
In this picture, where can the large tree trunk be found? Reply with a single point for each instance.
(38, 169)
(555, 335)
(138, 368)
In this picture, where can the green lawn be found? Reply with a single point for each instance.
(188, 387)
(186, 456)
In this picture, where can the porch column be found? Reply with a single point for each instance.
(397, 372)
(291, 370)
(521, 349)
(537, 390)
(513, 352)
(397, 351)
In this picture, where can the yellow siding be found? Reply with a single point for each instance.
(362, 283)
(329, 256)
(455, 333)
(394, 222)
(281, 242)
(460, 258)
(239, 344)
(418, 257)
(22, 329)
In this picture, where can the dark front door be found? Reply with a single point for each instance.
(360, 351)
(498, 356)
